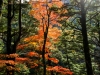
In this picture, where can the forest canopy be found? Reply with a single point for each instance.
(49, 37)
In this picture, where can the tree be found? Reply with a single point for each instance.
(45, 20)
(85, 39)
(11, 32)
(93, 25)
(80, 10)
(74, 9)
(48, 32)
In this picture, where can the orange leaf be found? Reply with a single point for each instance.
(54, 60)
(31, 54)
(21, 59)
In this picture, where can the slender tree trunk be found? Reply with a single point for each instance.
(50, 64)
(9, 28)
(43, 49)
(43, 55)
(8, 44)
(19, 22)
(85, 40)
(45, 39)
(1, 2)
(12, 48)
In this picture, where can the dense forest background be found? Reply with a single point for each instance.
(50, 37)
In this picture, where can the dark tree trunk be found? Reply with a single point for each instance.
(44, 42)
(43, 49)
(9, 28)
(12, 48)
(1, 2)
(50, 64)
(85, 40)
(8, 44)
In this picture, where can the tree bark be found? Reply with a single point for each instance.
(45, 39)
(8, 43)
(9, 28)
(85, 40)
(1, 2)
(12, 48)
(43, 49)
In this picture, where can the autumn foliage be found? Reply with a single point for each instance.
(48, 27)
(60, 69)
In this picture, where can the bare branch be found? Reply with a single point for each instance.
(93, 16)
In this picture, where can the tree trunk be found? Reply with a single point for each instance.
(9, 28)
(85, 40)
(1, 2)
(45, 39)
(43, 49)
(8, 44)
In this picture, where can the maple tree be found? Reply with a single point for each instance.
(48, 34)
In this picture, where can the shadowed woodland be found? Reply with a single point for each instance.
(49, 37)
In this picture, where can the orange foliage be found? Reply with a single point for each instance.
(34, 65)
(47, 55)
(40, 10)
(12, 55)
(41, 6)
(42, 13)
(54, 60)
(21, 47)
(10, 62)
(8, 56)
(60, 69)
(5, 62)
(21, 59)
(31, 54)
(54, 33)
(2, 61)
